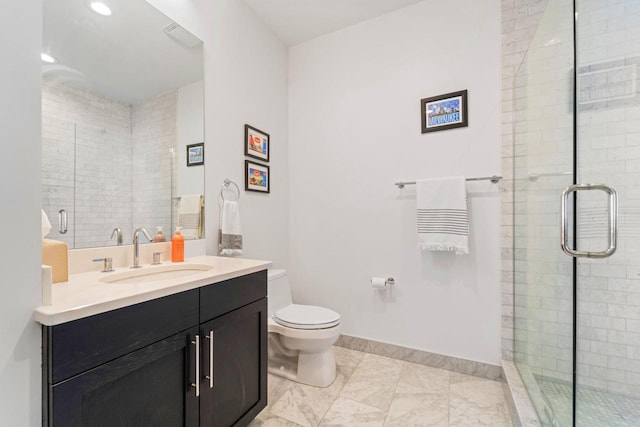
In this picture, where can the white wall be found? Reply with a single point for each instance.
(355, 130)
(245, 82)
(190, 131)
(20, 374)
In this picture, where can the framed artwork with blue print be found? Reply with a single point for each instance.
(195, 154)
(444, 112)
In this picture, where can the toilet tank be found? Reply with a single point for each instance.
(278, 290)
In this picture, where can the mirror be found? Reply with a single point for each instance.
(121, 103)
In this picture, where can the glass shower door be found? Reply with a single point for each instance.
(543, 167)
(576, 113)
(608, 151)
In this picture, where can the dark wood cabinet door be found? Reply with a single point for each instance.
(239, 362)
(148, 387)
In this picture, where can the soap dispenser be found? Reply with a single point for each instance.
(177, 246)
(159, 237)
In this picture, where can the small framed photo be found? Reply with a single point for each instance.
(444, 112)
(256, 143)
(256, 177)
(195, 154)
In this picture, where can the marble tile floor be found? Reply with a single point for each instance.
(372, 390)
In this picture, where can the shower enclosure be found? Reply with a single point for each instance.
(577, 298)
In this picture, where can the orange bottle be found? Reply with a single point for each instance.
(177, 246)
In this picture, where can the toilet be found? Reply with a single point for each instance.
(300, 336)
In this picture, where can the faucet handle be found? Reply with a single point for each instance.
(107, 267)
(156, 258)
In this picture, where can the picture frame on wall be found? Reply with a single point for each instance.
(256, 143)
(195, 154)
(444, 112)
(256, 177)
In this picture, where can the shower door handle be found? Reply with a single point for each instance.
(613, 221)
(62, 221)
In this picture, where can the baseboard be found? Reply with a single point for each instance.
(463, 366)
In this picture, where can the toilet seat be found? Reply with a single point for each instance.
(298, 316)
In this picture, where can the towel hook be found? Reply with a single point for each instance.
(225, 187)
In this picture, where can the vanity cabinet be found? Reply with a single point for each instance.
(196, 358)
(232, 396)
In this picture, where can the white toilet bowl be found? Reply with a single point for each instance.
(300, 336)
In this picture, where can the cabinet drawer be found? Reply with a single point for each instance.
(223, 297)
(76, 346)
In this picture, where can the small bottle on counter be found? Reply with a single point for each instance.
(159, 237)
(177, 246)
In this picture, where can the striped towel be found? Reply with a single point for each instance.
(443, 224)
(230, 242)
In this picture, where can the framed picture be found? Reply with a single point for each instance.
(444, 112)
(256, 177)
(256, 143)
(195, 154)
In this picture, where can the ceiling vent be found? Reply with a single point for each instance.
(182, 36)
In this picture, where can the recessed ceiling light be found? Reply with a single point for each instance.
(47, 58)
(100, 8)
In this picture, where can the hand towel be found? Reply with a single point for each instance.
(230, 231)
(443, 224)
(190, 215)
(46, 225)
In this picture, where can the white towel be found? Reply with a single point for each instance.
(443, 224)
(230, 231)
(190, 215)
(46, 225)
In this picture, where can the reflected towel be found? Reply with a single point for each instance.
(46, 225)
(230, 231)
(190, 215)
(443, 224)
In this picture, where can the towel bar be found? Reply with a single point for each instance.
(494, 179)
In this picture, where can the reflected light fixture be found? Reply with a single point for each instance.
(47, 58)
(100, 8)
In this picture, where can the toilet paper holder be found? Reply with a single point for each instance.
(380, 282)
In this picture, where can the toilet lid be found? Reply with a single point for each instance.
(306, 317)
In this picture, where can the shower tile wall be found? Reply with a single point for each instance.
(93, 135)
(102, 135)
(154, 129)
(537, 139)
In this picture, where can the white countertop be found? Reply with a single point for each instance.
(85, 294)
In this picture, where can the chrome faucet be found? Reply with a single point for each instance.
(136, 253)
(118, 234)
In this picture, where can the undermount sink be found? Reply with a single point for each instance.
(156, 273)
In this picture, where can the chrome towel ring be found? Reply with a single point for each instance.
(227, 187)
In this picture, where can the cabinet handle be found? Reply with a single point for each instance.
(210, 376)
(197, 383)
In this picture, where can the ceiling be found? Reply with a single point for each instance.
(126, 56)
(296, 21)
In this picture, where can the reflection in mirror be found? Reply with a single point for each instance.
(120, 104)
